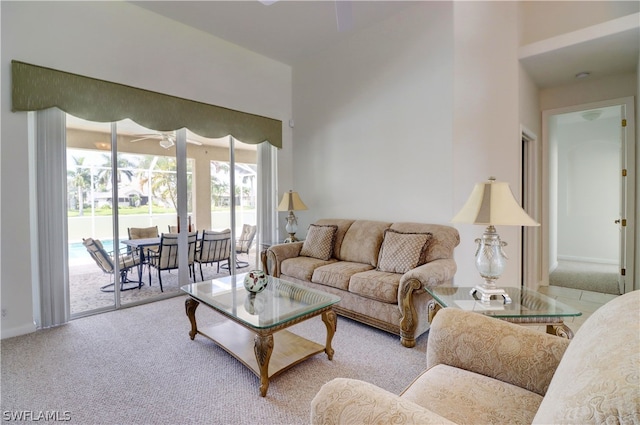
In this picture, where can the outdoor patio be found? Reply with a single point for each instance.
(86, 279)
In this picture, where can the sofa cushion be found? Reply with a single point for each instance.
(361, 243)
(445, 238)
(338, 274)
(302, 267)
(401, 252)
(319, 241)
(343, 227)
(459, 395)
(377, 285)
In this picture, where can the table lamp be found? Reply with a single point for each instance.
(492, 203)
(291, 202)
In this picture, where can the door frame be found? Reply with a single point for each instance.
(530, 239)
(629, 210)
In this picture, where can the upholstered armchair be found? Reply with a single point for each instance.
(481, 370)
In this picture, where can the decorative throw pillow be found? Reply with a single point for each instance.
(401, 252)
(319, 242)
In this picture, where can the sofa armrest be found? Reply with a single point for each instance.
(510, 353)
(349, 401)
(276, 254)
(434, 273)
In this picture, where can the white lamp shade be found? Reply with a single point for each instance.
(493, 203)
(291, 202)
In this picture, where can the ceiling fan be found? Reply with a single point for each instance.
(166, 139)
(344, 14)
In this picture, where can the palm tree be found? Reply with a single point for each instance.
(125, 165)
(79, 178)
(219, 181)
(164, 181)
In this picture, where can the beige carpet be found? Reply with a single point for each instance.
(592, 277)
(138, 366)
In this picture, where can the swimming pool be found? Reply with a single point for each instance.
(78, 251)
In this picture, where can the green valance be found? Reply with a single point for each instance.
(35, 88)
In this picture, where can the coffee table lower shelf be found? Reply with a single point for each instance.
(266, 352)
(289, 349)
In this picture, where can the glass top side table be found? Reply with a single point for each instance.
(527, 307)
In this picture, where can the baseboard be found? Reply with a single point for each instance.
(586, 260)
(17, 331)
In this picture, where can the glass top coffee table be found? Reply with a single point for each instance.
(526, 308)
(254, 332)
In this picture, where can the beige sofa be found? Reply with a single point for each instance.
(482, 370)
(378, 269)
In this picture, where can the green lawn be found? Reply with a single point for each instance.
(137, 210)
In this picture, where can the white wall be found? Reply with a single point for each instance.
(637, 217)
(400, 122)
(119, 42)
(591, 90)
(545, 19)
(373, 122)
(486, 137)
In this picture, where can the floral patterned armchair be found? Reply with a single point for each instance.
(481, 370)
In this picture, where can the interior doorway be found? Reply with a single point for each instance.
(589, 197)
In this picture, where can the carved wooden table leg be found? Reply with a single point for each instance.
(433, 308)
(560, 330)
(330, 320)
(263, 347)
(190, 306)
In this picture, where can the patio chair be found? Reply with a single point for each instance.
(167, 256)
(105, 260)
(174, 229)
(144, 233)
(214, 248)
(243, 245)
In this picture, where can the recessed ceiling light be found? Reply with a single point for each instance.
(591, 115)
(583, 74)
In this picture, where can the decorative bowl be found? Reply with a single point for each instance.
(255, 281)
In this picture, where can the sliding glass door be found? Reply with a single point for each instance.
(136, 188)
(246, 205)
(89, 215)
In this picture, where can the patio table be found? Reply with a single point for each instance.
(139, 244)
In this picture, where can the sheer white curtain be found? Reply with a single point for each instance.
(267, 177)
(49, 239)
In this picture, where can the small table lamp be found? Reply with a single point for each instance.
(291, 202)
(492, 203)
